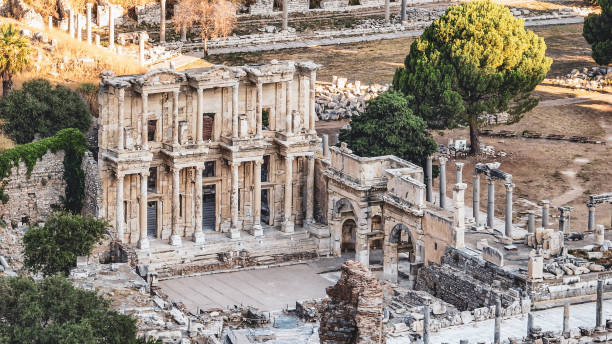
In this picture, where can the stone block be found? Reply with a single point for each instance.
(493, 255)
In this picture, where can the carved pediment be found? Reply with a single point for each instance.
(160, 77)
(215, 73)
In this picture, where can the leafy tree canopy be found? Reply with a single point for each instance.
(388, 127)
(54, 247)
(597, 30)
(40, 108)
(475, 58)
(53, 311)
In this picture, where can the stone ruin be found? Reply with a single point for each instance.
(353, 313)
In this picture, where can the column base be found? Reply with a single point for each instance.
(288, 227)
(308, 223)
(143, 244)
(198, 237)
(175, 240)
(257, 231)
(234, 233)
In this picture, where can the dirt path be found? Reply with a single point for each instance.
(604, 97)
(575, 187)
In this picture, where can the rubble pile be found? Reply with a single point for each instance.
(592, 79)
(353, 312)
(340, 100)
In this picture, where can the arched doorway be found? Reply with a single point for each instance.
(400, 235)
(399, 255)
(349, 236)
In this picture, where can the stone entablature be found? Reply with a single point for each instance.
(238, 132)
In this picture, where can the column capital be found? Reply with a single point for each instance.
(120, 174)
(459, 165)
(289, 157)
(490, 180)
(175, 93)
(442, 160)
(145, 173)
(509, 186)
(144, 94)
(545, 202)
(234, 163)
(200, 90)
(175, 169)
(258, 162)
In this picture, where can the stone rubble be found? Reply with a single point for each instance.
(340, 100)
(592, 79)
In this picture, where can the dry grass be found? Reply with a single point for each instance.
(68, 52)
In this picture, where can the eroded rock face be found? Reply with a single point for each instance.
(353, 311)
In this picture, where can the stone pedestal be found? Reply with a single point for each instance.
(175, 240)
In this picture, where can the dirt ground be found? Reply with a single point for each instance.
(563, 172)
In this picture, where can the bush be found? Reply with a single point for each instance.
(43, 109)
(54, 247)
(53, 311)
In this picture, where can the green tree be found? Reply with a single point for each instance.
(14, 55)
(476, 58)
(53, 311)
(597, 30)
(388, 127)
(44, 109)
(54, 247)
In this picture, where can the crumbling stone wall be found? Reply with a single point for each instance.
(31, 198)
(92, 199)
(149, 13)
(353, 312)
(262, 7)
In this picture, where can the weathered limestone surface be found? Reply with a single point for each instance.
(92, 201)
(354, 310)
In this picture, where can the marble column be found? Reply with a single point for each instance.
(545, 208)
(71, 22)
(325, 144)
(459, 173)
(198, 234)
(257, 229)
(288, 225)
(530, 323)
(120, 211)
(199, 118)
(175, 124)
(310, 191)
(476, 199)
(599, 319)
(387, 11)
(508, 218)
(162, 21)
(285, 15)
(459, 214)
(143, 243)
(288, 98)
(144, 132)
(428, 180)
(234, 230)
(111, 29)
(78, 27)
(311, 108)
(442, 182)
(50, 22)
(89, 5)
(566, 316)
(497, 333)
(490, 202)
(591, 218)
(259, 118)
(141, 48)
(235, 111)
(530, 221)
(175, 238)
(97, 40)
(120, 115)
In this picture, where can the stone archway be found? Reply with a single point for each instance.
(349, 236)
(400, 240)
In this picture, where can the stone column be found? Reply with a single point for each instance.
(175, 238)
(530, 221)
(287, 226)
(234, 230)
(443, 182)
(566, 316)
(50, 22)
(235, 111)
(497, 333)
(143, 244)
(285, 15)
(198, 234)
(459, 175)
(490, 202)
(119, 216)
(310, 191)
(428, 180)
(257, 229)
(403, 11)
(530, 322)
(459, 215)
(545, 207)
(111, 28)
(259, 119)
(162, 21)
(144, 121)
(120, 138)
(175, 124)
(325, 144)
(426, 324)
(476, 199)
(311, 109)
(591, 218)
(600, 235)
(71, 22)
(89, 5)
(387, 11)
(288, 98)
(508, 222)
(599, 320)
(78, 27)
(199, 118)
(141, 48)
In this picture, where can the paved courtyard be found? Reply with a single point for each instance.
(267, 289)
